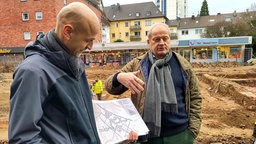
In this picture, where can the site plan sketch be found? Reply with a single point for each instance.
(116, 118)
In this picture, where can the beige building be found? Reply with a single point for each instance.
(131, 22)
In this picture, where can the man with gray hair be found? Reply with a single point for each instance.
(164, 89)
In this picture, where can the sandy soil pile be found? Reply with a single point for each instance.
(228, 108)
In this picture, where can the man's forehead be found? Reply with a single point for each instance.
(160, 35)
(160, 31)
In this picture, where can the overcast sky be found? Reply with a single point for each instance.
(194, 6)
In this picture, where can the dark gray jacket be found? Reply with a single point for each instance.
(50, 98)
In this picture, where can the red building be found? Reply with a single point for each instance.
(22, 20)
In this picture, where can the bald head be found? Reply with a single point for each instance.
(77, 27)
(156, 25)
(79, 16)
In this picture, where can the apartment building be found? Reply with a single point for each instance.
(22, 20)
(173, 9)
(131, 22)
(194, 27)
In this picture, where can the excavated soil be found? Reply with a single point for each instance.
(228, 105)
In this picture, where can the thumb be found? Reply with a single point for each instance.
(136, 72)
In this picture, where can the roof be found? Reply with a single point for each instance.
(204, 21)
(171, 23)
(132, 11)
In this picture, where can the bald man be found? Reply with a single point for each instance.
(50, 99)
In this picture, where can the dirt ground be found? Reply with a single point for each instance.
(228, 106)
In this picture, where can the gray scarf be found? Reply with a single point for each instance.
(160, 94)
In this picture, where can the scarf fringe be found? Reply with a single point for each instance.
(172, 108)
(155, 130)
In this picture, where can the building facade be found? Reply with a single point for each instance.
(22, 20)
(173, 9)
(196, 26)
(131, 23)
(229, 49)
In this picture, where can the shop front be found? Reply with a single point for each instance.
(208, 50)
(118, 54)
(214, 49)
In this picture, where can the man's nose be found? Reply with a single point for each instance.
(161, 40)
(89, 46)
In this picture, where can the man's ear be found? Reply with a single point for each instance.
(148, 41)
(67, 31)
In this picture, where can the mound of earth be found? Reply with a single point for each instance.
(228, 106)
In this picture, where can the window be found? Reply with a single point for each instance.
(27, 36)
(25, 16)
(126, 24)
(137, 33)
(40, 32)
(113, 35)
(137, 14)
(146, 33)
(227, 19)
(148, 13)
(126, 34)
(117, 25)
(204, 53)
(184, 32)
(148, 22)
(137, 23)
(39, 15)
(211, 20)
(172, 30)
(199, 31)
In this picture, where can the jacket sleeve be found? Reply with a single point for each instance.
(27, 92)
(129, 67)
(195, 118)
(101, 87)
(193, 96)
(114, 90)
(93, 87)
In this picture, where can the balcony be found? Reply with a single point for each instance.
(174, 36)
(135, 38)
(135, 27)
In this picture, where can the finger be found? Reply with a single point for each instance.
(134, 88)
(138, 80)
(132, 136)
(139, 84)
(135, 136)
(136, 72)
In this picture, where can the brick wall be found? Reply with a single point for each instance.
(12, 27)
